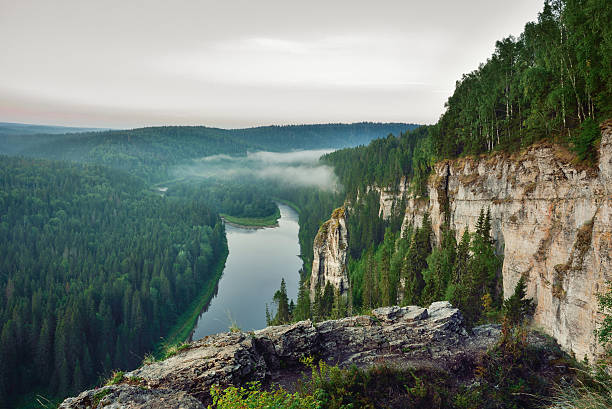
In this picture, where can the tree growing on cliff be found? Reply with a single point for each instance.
(517, 308)
(604, 333)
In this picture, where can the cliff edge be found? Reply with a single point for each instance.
(434, 336)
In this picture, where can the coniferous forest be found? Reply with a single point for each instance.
(97, 264)
(95, 268)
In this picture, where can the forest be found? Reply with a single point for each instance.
(151, 153)
(94, 269)
(554, 81)
(96, 265)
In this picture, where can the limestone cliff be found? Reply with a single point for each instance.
(551, 219)
(330, 254)
(411, 336)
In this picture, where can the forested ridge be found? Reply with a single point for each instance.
(151, 152)
(94, 269)
(553, 81)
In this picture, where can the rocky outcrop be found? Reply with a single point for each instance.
(390, 197)
(414, 336)
(330, 255)
(552, 221)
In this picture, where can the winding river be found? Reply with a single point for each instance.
(258, 259)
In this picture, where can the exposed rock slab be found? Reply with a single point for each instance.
(433, 336)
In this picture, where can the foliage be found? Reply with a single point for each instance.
(516, 307)
(585, 140)
(115, 378)
(547, 82)
(594, 392)
(604, 333)
(254, 398)
(514, 374)
(152, 152)
(283, 313)
(236, 199)
(94, 269)
(378, 386)
(384, 162)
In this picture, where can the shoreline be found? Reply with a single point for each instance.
(252, 222)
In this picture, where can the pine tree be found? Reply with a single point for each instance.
(302, 309)
(282, 305)
(516, 307)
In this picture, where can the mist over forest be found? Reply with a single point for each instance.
(297, 168)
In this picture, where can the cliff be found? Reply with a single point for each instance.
(330, 254)
(551, 219)
(409, 336)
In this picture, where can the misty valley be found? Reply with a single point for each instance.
(463, 261)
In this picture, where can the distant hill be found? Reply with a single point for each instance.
(151, 151)
(10, 128)
(15, 137)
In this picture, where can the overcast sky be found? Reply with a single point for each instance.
(238, 63)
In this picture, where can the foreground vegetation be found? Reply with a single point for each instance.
(515, 373)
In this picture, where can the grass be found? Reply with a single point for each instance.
(174, 349)
(268, 221)
(99, 396)
(115, 378)
(185, 323)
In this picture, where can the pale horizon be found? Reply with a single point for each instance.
(240, 64)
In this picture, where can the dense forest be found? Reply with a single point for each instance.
(238, 198)
(553, 81)
(94, 269)
(152, 152)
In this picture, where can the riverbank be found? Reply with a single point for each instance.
(185, 324)
(252, 222)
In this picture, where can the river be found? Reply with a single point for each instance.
(258, 259)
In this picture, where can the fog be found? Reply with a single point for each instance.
(298, 168)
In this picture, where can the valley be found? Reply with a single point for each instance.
(462, 260)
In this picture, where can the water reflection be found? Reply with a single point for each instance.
(257, 260)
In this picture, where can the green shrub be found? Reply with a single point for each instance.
(585, 141)
(253, 397)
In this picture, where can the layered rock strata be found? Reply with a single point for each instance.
(411, 336)
(551, 220)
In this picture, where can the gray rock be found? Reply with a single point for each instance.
(132, 397)
(412, 336)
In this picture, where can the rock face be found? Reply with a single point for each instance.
(433, 336)
(551, 220)
(389, 197)
(330, 255)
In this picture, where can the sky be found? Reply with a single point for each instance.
(241, 63)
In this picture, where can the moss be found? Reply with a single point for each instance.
(99, 396)
(322, 234)
(172, 350)
(579, 250)
(338, 213)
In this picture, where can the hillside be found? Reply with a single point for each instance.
(150, 152)
(94, 269)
